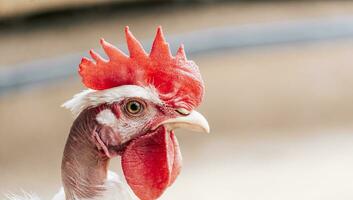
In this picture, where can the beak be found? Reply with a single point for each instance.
(194, 121)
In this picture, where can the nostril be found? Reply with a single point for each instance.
(182, 111)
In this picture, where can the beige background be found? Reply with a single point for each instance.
(12, 8)
(281, 117)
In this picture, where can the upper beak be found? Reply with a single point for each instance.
(193, 121)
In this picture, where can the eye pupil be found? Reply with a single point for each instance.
(134, 107)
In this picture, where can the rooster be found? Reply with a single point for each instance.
(132, 105)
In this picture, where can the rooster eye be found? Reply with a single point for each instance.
(134, 107)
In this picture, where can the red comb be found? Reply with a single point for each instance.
(177, 80)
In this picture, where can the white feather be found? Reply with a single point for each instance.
(92, 98)
(24, 196)
(115, 190)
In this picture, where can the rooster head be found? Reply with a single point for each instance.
(138, 101)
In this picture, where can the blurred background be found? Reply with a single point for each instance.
(278, 74)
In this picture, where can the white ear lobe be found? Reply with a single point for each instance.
(106, 117)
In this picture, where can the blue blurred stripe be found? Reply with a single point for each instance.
(197, 42)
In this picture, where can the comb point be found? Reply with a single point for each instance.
(160, 49)
(180, 55)
(135, 48)
(112, 52)
(96, 56)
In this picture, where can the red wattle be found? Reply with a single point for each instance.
(177, 159)
(151, 163)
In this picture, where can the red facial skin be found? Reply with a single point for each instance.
(151, 159)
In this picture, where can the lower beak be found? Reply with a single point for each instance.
(194, 121)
